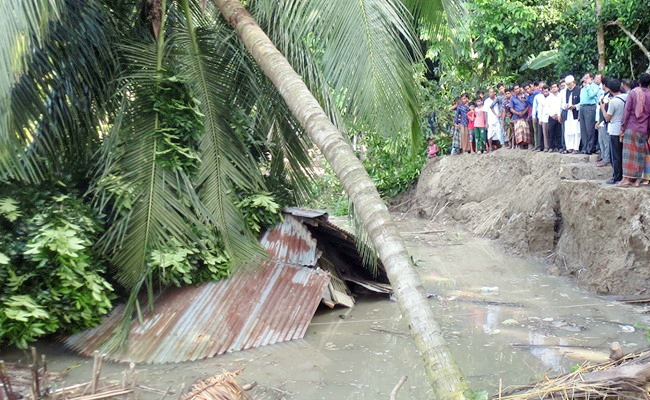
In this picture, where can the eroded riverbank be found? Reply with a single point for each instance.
(503, 316)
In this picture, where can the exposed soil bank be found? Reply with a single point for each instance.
(547, 205)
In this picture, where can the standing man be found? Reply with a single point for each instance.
(613, 113)
(635, 132)
(538, 98)
(493, 118)
(587, 115)
(604, 95)
(570, 104)
(530, 90)
(553, 107)
(562, 93)
(543, 115)
(519, 108)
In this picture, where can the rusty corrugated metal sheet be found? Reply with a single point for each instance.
(272, 304)
(291, 242)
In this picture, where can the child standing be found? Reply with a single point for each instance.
(471, 117)
(462, 121)
(432, 149)
(479, 127)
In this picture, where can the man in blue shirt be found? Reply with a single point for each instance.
(519, 108)
(587, 116)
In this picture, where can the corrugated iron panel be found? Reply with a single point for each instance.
(270, 305)
(304, 212)
(291, 242)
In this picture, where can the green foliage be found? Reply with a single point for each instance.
(260, 211)
(180, 126)
(391, 164)
(180, 265)
(328, 193)
(580, 53)
(541, 60)
(501, 45)
(52, 277)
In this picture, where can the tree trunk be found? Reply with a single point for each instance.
(600, 36)
(444, 375)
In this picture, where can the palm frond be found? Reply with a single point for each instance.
(62, 98)
(438, 17)
(23, 24)
(365, 50)
(363, 242)
(300, 47)
(226, 164)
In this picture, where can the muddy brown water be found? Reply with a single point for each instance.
(504, 318)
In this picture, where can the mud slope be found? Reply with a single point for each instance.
(547, 205)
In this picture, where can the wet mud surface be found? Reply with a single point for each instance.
(504, 317)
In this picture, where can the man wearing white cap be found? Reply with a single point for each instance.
(570, 106)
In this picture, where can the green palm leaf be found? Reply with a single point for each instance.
(226, 165)
(64, 97)
(23, 24)
(365, 50)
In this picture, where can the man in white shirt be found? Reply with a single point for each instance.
(570, 106)
(494, 123)
(553, 108)
(542, 114)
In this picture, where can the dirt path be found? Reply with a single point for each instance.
(504, 318)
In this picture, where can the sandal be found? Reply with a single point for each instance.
(628, 184)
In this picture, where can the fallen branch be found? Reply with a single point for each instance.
(390, 332)
(397, 387)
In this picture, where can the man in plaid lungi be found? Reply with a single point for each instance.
(635, 132)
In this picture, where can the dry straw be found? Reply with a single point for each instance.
(625, 378)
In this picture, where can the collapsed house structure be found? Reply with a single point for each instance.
(310, 261)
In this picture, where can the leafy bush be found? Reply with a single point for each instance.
(391, 162)
(52, 278)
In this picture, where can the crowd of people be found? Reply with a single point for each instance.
(601, 115)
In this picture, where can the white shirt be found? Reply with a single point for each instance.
(553, 105)
(491, 117)
(537, 100)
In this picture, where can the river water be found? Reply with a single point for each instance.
(506, 321)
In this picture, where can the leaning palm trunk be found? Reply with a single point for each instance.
(443, 373)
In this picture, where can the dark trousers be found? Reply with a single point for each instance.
(616, 156)
(555, 136)
(532, 128)
(587, 119)
(539, 141)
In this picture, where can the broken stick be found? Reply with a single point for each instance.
(397, 387)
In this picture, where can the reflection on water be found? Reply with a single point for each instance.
(547, 355)
(503, 317)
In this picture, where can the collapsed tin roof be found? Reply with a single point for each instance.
(310, 260)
